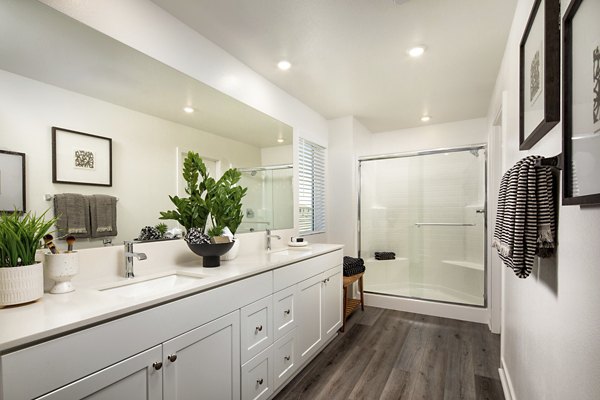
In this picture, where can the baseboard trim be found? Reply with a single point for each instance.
(507, 387)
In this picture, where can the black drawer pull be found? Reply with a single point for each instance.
(172, 357)
(157, 365)
(260, 381)
(287, 312)
(287, 358)
(258, 329)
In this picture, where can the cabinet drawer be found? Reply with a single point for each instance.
(257, 377)
(284, 359)
(290, 275)
(257, 327)
(284, 311)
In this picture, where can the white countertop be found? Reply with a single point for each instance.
(55, 314)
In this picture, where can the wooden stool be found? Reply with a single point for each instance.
(351, 305)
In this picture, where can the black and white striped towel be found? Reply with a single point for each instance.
(525, 225)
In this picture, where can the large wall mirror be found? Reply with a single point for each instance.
(55, 71)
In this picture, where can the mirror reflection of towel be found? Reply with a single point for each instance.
(103, 215)
(72, 210)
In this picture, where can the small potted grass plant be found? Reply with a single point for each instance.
(21, 277)
(217, 201)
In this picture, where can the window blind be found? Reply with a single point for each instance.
(311, 193)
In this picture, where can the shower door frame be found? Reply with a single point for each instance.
(479, 146)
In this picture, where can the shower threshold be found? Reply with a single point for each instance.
(428, 293)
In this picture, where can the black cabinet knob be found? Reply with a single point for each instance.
(172, 357)
(157, 365)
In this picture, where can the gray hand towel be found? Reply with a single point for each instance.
(103, 213)
(73, 214)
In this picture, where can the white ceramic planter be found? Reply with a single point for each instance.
(21, 284)
(61, 268)
(233, 252)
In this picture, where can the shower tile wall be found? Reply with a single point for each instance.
(397, 193)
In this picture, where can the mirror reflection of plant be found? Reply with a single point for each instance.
(224, 199)
(220, 200)
(20, 237)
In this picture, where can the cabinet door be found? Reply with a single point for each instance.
(204, 363)
(134, 378)
(284, 313)
(331, 302)
(309, 317)
(257, 327)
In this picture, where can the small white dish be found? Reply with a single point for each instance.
(297, 244)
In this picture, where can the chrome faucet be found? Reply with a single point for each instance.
(129, 255)
(269, 236)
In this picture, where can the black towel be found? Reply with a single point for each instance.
(385, 255)
(353, 266)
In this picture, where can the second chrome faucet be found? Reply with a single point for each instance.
(269, 236)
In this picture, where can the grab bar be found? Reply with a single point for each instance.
(442, 224)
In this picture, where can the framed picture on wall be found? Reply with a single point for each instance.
(581, 102)
(81, 158)
(539, 73)
(12, 181)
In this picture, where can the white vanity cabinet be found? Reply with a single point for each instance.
(241, 340)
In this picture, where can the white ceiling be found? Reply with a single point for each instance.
(41, 43)
(349, 56)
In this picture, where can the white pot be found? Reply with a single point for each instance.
(233, 252)
(21, 284)
(61, 268)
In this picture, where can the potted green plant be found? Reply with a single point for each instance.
(21, 277)
(208, 200)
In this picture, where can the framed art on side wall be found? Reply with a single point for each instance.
(81, 158)
(581, 102)
(12, 181)
(539, 73)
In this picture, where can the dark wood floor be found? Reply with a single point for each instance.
(386, 354)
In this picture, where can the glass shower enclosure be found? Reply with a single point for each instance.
(269, 198)
(428, 209)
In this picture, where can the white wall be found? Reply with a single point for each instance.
(551, 320)
(144, 161)
(428, 137)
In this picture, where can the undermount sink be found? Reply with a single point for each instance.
(151, 286)
(290, 251)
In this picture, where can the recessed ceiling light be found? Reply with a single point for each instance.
(188, 109)
(284, 65)
(280, 140)
(425, 118)
(416, 51)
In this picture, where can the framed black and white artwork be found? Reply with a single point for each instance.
(581, 102)
(12, 181)
(81, 158)
(539, 73)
